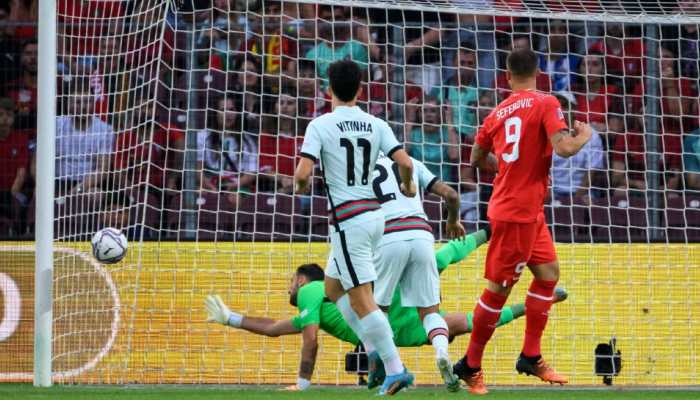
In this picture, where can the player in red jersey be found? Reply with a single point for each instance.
(521, 133)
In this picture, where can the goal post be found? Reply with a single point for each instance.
(46, 140)
(179, 122)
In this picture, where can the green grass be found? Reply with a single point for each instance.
(213, 392)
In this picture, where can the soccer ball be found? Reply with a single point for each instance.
(109, 245)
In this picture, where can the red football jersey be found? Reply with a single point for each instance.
(518, 133)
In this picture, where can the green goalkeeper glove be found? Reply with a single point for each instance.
(217, 311)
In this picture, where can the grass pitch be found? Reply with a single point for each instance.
(215, 392)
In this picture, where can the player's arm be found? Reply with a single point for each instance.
(483, 159)
(401, 158)
(217, 311)
(309, 350)
(454, 227)
(567, 144)
(393, 149)
(267, 326)
(310, 152)
(302, 175)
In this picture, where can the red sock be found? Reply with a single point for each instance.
(486, 315)
(537, 304)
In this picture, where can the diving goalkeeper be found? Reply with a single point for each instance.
(306, 292)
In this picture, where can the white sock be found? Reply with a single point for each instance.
(350, 316)
(377, 331)
(436, 329)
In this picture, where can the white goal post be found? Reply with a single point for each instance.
(43, 301)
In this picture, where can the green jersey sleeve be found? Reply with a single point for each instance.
(309, 300)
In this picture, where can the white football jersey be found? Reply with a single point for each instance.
(347, 142)
(402, 213)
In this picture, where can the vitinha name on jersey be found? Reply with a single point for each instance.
(354, 126)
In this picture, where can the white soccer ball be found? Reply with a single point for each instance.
(109, 245)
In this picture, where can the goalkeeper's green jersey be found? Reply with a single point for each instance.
(315, 308)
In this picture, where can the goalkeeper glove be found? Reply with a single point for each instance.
(217, 311)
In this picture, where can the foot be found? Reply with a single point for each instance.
(394, 383)
(445, 367)
(538, 368)
(375, 373)
(473, 378)
(560, 294)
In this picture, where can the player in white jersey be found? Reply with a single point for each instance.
(403, 257)
(347, 143)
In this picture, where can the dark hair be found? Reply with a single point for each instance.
(312, 272)
(345, 77)
(522, 63)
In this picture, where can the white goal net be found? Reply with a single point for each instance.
(180, 123)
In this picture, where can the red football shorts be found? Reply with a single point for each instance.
(513, 246)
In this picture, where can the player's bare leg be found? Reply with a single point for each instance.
(540, 296)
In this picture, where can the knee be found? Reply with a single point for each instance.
(548, 272)
(361, 300)
(360, 306)
(553, 272)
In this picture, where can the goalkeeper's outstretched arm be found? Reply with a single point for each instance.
(217, 311)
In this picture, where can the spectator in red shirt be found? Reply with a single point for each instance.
(73, 17)
(679, 104)
(679, 108)
(623, 55)
(628, 163)
(312, 100)
(23, 89)
(280, 144)
(14, 153)
(105, 77)
(597, 102)
(132, 148)
(24, 14)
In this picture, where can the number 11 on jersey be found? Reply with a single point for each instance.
(350, 155)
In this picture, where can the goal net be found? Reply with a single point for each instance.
(180, 123)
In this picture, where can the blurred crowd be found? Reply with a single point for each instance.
(210, 112)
